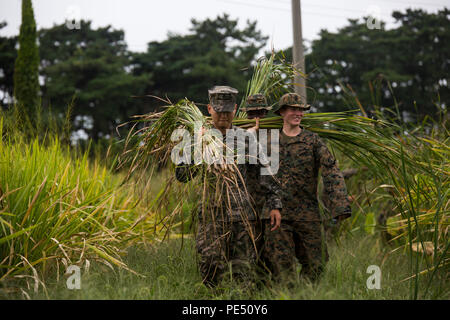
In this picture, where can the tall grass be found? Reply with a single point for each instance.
(407, 166)
(57, 208)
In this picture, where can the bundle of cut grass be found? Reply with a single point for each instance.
(271, 77)
(218, 182)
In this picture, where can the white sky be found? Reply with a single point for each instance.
(149, 20)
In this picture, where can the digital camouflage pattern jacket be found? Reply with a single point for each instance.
(301, 157)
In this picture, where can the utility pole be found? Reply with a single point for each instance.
(297, 48)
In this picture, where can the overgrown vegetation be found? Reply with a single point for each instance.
(57, 208)
(67, 188)
(407, 165)
(61, 205)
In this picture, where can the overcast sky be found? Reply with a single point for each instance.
(149, 20)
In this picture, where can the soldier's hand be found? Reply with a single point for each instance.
(275, 219)
(256, 127)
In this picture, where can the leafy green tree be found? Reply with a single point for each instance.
(8, 54)
(93, 67)
(26, 76)
(411, 60)
(214, 52)
(352, 56)
(422, 46)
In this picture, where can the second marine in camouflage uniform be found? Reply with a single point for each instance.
(300, 235)
(257, 108)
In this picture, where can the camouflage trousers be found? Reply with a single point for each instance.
(294, 239)
(224, 247)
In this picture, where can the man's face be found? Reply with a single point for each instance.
(291, 115)
(221, 120)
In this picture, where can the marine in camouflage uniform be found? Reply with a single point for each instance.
(256, 107)
(227, 232)
(300, 235)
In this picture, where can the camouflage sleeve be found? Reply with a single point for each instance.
(270, 186)
(272, 191)
(333, 181)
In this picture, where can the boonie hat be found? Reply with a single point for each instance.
(291, 100)
(222, 98)
(256, 102)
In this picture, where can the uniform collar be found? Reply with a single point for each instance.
(294, 139)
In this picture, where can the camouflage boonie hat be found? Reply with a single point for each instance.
(256, 102)
(222, 98)
(291, 100)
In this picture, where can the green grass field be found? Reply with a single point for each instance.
(169, 271)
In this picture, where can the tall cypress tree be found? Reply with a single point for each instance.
(26, 82)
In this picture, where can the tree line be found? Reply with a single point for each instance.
(406, 67)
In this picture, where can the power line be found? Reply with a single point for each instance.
(255, 5)
(306, 4)
(324, 6)
(395, 2)
(414, 3)
(287, 10)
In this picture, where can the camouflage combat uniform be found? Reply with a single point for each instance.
(300, 234)
(256, 102)
(227, 227)
(256, 106)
